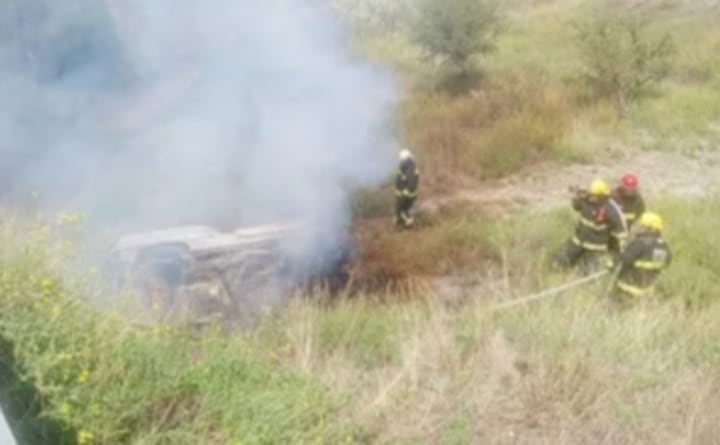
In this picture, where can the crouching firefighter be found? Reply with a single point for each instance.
(406, 185)
(601, 228)
(627, 196)
(645, 257)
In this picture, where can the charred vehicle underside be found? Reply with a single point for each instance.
(196, 273)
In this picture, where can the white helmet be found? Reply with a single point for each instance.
(405, 154)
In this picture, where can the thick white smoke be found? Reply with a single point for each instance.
(148, 113)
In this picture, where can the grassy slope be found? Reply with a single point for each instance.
(526, 110)
(104, 378)
(541, 38)
(562, 371)
(419, 372)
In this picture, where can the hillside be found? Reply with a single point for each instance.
(421, 357)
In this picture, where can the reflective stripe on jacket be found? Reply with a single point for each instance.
(601, 224)
(642, 262)
(633, 206)
(407, 179)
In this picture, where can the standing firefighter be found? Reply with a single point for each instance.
(406, 185)
(601, 227)
(639, 266)
(627, 196)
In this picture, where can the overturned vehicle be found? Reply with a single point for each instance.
(197, 273)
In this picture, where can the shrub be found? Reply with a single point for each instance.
(621, 58)
(454, 31)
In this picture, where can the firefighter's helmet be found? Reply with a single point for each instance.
(599, 188)
(629, 181)
(405, 154)
(651, 221)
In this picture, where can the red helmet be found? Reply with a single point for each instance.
(629, 181)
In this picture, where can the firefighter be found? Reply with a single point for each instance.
(601, 227)
(645, 257)
(627, 196)
(406, 185)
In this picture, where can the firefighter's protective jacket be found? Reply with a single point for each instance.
(632, 206)
(407, 179)
(641, 263)
(601, 225)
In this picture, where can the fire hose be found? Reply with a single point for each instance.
(551, 292)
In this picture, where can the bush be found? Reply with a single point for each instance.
(621, 58)
(454, 31)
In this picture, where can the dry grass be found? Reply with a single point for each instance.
(469, 377)
(495, 131)
(456, 241)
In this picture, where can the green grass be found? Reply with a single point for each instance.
(546, 25)
(359, 372)
(565, 369)
(681, 112)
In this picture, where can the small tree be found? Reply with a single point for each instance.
(456, 30)
(621, 60)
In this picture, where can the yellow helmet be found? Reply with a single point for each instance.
(652, 221)
(599, 188)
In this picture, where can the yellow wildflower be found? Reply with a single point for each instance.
(83, 376)
(46, 283)
(84, 437)
(55, 311)
(65, 409)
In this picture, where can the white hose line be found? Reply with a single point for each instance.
(549, 292)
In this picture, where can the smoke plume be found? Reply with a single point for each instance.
(145, 114)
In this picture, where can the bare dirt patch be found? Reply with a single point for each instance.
(546, 186)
